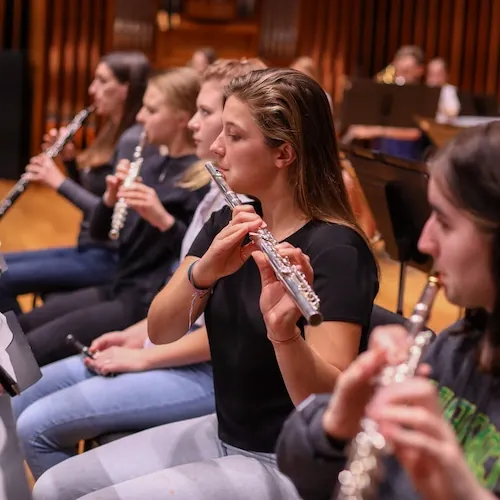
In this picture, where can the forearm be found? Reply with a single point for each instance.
(173, 310)
(138, 330)
(188, 350)
(304, 371)
(307, 455)
(402, 134)
(79, 196)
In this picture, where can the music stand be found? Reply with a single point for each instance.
(396, 191)
(366, 102)
(18, 371)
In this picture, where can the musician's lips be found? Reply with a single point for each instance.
(223, 171)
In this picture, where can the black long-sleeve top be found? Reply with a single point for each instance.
(147, 254)
(84, 187)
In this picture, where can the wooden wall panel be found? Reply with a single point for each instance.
(363, 38)
(67, 40)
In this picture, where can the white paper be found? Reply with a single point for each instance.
(6, 337)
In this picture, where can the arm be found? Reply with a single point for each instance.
(218, 252)
(79, 196)
(373, 132)
(306, 454)
(172, 307)
(402, 134)
(139, 329)
(188, 350)
(312, 364)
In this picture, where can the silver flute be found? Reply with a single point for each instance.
(363, 472)
(292, 278)
(121, 209)
(71, 129)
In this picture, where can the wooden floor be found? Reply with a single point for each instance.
(42, 219)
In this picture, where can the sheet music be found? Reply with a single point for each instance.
(6, 337)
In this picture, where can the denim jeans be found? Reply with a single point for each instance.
(70, 403)
(54, 269)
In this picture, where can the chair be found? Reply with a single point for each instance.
(89, 444)
(381, 316)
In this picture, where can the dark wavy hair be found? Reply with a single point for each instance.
(469, 167)
(127, 67)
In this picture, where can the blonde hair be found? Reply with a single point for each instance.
(223, 70)
(180, 88)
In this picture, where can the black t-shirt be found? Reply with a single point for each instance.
(251, 398)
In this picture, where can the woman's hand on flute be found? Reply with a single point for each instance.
(278, 308)
(227, 253)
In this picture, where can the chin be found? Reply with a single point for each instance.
(201, 152)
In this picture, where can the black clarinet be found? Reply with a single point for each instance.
(51, 152)
(292, 278)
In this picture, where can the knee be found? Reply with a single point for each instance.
(27, 425)
(60, 482)
(50, 486)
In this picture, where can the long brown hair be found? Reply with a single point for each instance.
(468, 169)
(127, 67)
(291, 107)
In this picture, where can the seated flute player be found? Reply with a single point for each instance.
(159, 211)
(158, 384)
(277, 146)
(116, 91)
(442, 425)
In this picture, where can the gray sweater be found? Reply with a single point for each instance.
(471, 403)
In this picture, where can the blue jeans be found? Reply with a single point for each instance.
(43, 271)
(70, 403)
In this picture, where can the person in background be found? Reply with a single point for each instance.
(202, 58)
(159, 211)
(117, 88)
(409, 143)
(437, 76)
(306, 65)
(157, 384)
(278, 146)
(442, 425)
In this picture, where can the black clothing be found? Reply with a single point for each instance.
(146, 256)
(251, 397)
(470, 402)
(86, 191)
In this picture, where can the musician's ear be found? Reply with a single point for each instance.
(285, 155)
